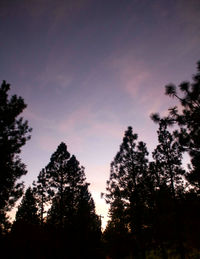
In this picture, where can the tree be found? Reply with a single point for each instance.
(73, 210)
(42, 192)
(72, 199)
(27, 212)
(187, 116)
(126, 189)
(168, 161)
(57, 174)
(169, 187)
(26, 236)
(14, 132)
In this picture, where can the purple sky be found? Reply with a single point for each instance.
(89, 68)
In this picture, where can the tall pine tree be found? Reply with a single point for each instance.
(169, 188)
(72, 212)
(72, 203)
(42, 192)
(14, 132)
(126, 188)
(27, 212)
(168, 161)
(187, 116)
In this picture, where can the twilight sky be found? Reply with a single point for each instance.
(89, 68)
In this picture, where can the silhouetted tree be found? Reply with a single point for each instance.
(126, 188)
(42, 192)
(169, 186)
(73, 210)
(27, 237)
(27, 211)
(187, 116)
(72, 198)
(14, 132)
(168, 161)
(58, 177)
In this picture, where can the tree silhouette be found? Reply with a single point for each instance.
(27, 211)
(58, 177)
(72, 211)
(126, 189)
(187, 116)
(14, 132)
(42, 192)
(168, 159)
(169, 187)
(71, 196)
(26, 236)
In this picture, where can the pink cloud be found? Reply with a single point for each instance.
(131, 72)
(79, 117)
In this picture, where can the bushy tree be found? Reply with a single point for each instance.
(14, 132)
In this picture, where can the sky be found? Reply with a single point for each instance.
(88, 69)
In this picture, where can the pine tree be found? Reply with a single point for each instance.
(42, 192)
(187, 116)
(73, 210)
(72, 202)
(58, 177)
(126, 188)
(27, 212)
(168, 161)
(170, 189)
(14, 132)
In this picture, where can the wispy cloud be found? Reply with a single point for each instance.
(132, 73)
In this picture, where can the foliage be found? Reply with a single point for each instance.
(27, 210)
(168, 160)
(14, 132)
(154, 206)
(187, 116)
(42, 192)
(127, 189)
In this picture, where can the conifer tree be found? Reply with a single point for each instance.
(27, 212)
(187, 116)
(72, 203)
(42, 192)
(169, 187)
(72, 212)
(14, 132)
(126, 188)
(58, 178)
(168, 161)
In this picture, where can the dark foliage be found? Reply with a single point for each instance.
(128, 192)
(154, 206)
(187, 116)
(14, 132)
(42, 192)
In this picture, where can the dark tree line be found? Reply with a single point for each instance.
(59, 212)
(154, 203)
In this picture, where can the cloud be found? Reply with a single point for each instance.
(131, 72)
(78, 119)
